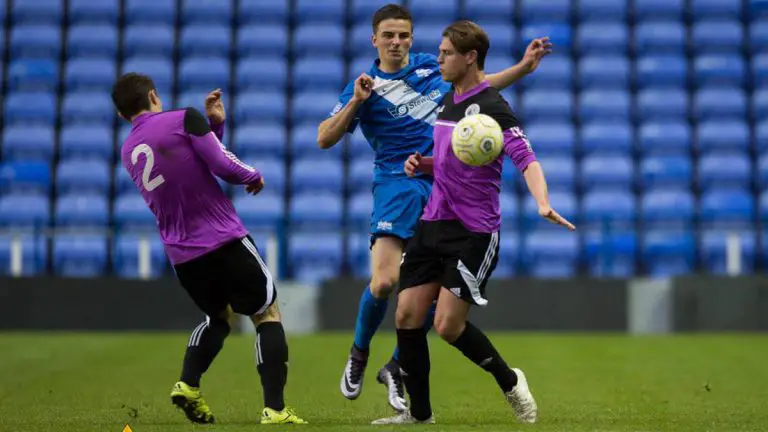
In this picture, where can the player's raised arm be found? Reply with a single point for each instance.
(220, 161)
(537, 49)
(214, 110)
(344, 115)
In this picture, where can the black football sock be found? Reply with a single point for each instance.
(204, 344)
(476, 346)
(414, 361)
(272, 363)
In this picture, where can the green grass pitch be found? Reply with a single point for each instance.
(101, 382)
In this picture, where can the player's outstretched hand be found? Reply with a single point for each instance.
(214, 107)
(537, 50)
(255, 188)
(412, 164)
(551, 215)
(363, 87)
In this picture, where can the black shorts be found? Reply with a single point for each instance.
(447, 253)
(234, 274)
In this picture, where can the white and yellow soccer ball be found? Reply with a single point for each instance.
(477, 140)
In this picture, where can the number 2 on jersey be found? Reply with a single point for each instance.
(149, 155)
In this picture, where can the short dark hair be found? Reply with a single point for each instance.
(391, 11)
(130, 94)
(467, 36)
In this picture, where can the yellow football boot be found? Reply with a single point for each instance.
(191, 401)
(286, 416)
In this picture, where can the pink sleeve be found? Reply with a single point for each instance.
(223, 163)
(518, 148)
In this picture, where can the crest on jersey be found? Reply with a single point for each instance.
(472, 110)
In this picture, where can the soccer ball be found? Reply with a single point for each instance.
(477, 140)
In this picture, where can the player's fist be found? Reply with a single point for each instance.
(363, 87)
(537, 49)
(214, 107)
(255, 188)
(548, 213)
(412, 164)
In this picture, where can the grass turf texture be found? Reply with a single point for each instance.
(100, 382)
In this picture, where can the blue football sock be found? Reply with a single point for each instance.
(370, 314)
(428, 322)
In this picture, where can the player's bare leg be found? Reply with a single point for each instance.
(204, 344)
(272, 364)
(412, 308)
(452, 325)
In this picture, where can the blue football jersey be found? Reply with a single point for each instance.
(397, 119)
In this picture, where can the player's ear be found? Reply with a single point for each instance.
(471, 57)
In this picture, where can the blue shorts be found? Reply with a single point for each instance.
(397, 206)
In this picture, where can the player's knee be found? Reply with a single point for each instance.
(408, 317)
(383, 285)
(448, 327)
(271, 314)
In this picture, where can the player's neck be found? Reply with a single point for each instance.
(391, 68)
(470, 81)
(141, 113)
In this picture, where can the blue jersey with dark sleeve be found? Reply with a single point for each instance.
(397, 119)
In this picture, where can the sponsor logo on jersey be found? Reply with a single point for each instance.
(403, 110)
(472, 110)
(384, 226)
(423, 73)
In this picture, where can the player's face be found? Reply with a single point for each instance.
(393, 40)
(453, 65)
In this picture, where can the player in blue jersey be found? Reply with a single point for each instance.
(395, 104)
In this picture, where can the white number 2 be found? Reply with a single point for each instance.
(149, 155)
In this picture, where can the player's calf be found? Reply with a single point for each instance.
(271, 356)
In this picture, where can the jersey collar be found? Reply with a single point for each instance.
(457, 99)
(399, 74)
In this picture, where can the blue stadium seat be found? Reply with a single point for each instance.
(510, 209)
(668, 208)
(551, 254)
(79, 255)
(601, 10)
(38, 11)
(727, 207)
(668, 252)
(665, 137)
(720, 102)
(264, 210)
(724, 170)
(273, 171)
(82, 210)
(604, 72)
(253, 73)
(557, 138)
(548, 11)
(658, 9)
(760, 70)
(358, 254)
(763, 210)
(304, 175)
(714, 246)
(606, 137)
(762, 172)
(430, 36)
(204, 73)
(327, 11)
(315, 256)
(28, 143)
(504, 37)
(758, 36)
(719, 70)
(34, 254)
(90, 74)
(556, 72)
(87, 107)
(560, 172)
(161, 71)
(604, 105)
(359, 41)
(131, 212)
(761, 136)
(150, 11)
(611, 253)
(82, 176)
(360, 175)
(25, 210)
(30, 108)
(33, 74)
(715, 9)
(600, 172)
(205, 40)
(192, 98)
(125, 251)
(35, 40)
(313, 210)
(487, 11)
(440, 11)
(260, 139)
(260, 106)
(149, 40)
(261, 11)
(509, 255)
(318, 73)
(313, 106)
(757, 9)
(304, 144)
(662, 104)
(89, 11)
(660, 37)
(32, 177)
(547, 105)
(760, 105)
(666, 172)
(565, 203)
(86, 141)
(363, 10)
(608, 207)
(92, 40)
(721, 36)
(359, 209)
(559, 35)
(661, 71)
(263, 40)
(710, 135)
(123, 181)
(206, 12)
